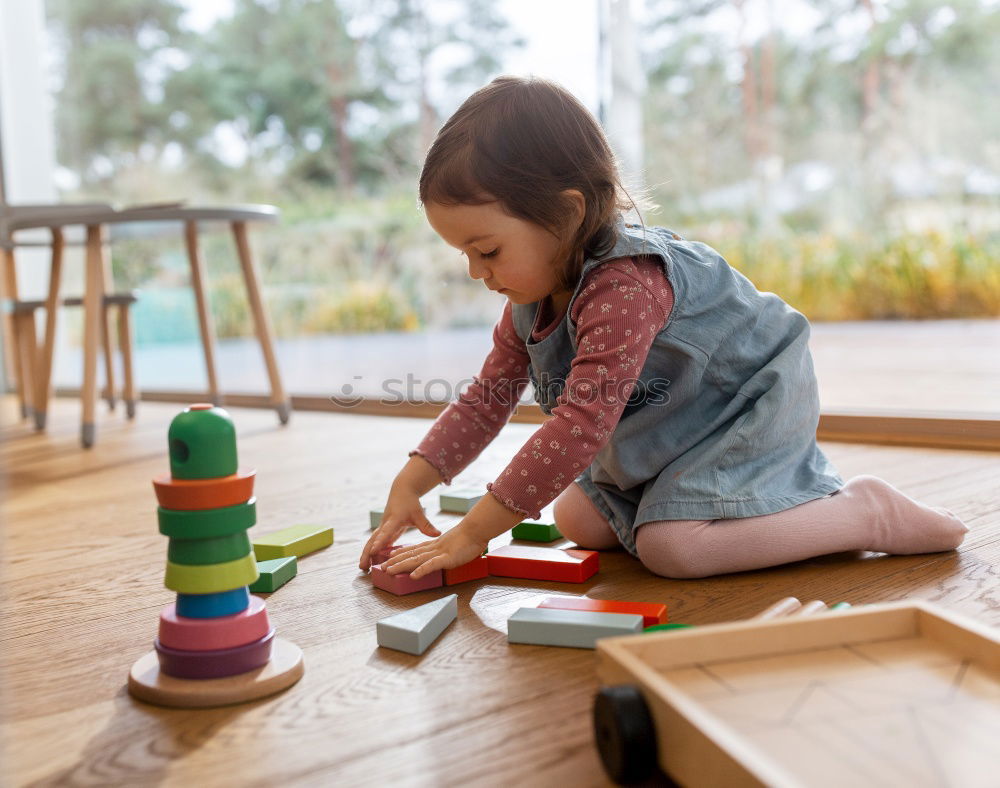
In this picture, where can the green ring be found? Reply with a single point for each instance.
(209, 551)
(211, 578)
(207, 523)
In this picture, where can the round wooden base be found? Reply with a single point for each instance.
(146, 682)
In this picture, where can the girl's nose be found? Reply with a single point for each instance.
(477, 270)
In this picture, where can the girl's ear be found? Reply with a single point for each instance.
(578, 208)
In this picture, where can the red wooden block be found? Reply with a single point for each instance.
(543, 563)
(474, 570)
(402, 583)
(652, 613)
(213, 634)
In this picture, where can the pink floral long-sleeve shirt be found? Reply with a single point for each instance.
(621, 307)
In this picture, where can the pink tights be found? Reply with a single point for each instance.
(867, 513)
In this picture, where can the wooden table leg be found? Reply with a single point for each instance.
(125, 343)
(12, 324)
(262, 323)
(44, 376)
(93, 306)
(106, 333)
(204, 314)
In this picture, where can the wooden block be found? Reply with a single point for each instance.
(414, 630)
(146, 682)
(190, 494)
(375, 518)
(274, 574)
(401, 583)
(213, 634)
(476, 569)
(210, 578)
(652, 613)
(460, 501)
(666, 627)
(543, 563)
(297, 540)
(572, 628)
(536, 531)
(224, 603)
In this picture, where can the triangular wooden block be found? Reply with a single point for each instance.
(414, 630)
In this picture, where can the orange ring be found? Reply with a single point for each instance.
(191, 494)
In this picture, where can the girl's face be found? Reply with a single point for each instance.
(512, 256)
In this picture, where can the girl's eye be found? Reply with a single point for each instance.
(489, 254)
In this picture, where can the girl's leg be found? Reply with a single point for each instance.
(580, 521)
(867, 513)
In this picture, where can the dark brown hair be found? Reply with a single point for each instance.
(521, 141)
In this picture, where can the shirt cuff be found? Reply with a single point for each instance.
(437, 465)
(510, 504)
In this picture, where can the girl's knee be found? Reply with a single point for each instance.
(666, 548)
(579, 520)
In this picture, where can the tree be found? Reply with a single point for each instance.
(112, 56)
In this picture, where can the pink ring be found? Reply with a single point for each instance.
(213, 634)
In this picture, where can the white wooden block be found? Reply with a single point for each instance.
(574, 628)
(414, 630)
(460, 501)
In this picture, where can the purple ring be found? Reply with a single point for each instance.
(214, 664)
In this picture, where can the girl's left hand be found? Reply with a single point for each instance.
(454, 548)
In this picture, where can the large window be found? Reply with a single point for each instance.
(842, 154)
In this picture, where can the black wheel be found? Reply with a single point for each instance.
(624, 733)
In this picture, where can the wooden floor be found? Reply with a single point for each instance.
(82, 588)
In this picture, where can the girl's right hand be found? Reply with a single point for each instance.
(402, 509)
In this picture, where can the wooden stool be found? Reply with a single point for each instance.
(25, 310)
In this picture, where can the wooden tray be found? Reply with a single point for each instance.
(891, 694)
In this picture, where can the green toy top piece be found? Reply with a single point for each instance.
(202, 441)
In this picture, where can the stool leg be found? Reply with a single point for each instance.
(125, 346)
(93, 303)
(204, 315)
(11, 333)
(44, 392)
(262, 323)
(28, 351)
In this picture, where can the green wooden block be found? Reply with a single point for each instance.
(536, 531)
(202, 443)
(274, 574)
(209, 551)
(375, 518)
(666, 627)
(298, 540)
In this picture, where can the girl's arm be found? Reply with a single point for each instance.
(468, 425)
(457, 437)
(621, 309)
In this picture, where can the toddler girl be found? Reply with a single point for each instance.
(683, 401)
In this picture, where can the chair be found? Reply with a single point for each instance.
(120, 301)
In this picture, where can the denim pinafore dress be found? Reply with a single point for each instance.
(722, 421)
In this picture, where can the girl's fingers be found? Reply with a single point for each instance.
(428, 566)
(406, 554)
(425, 526)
